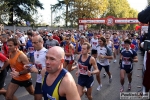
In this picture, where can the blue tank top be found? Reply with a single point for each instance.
(116, 40)
(84, 66)
(79, 47)
(134, 42)
(52, 92)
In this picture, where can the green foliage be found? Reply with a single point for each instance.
(148, 1)
(121, 9)
(23, 9)
(72, 10)
(4, 11)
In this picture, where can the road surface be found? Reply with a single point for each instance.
(107, 92)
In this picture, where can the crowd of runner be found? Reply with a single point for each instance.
(53, 54)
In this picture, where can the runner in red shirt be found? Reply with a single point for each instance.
(56, 37)
(3, 73)
(132, 46)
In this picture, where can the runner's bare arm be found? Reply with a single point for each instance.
(93, 62)
(23, 44)
(24, 60)
(113, 47)
(135, 59)
(108, 57)
(121, 56)
(78, 56)
(69, 88)
(76, 48)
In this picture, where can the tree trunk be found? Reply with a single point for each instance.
(66, 21)
(10, 16)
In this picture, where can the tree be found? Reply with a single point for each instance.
(72, 10)
(4, 11)
(90, 8)
(63, 5)
(121, 9)
(148, 1)
(23, 9)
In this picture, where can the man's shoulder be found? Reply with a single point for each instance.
(67, 79)
(55, 40)
(22, 55)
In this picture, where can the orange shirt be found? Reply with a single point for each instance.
(14, 64)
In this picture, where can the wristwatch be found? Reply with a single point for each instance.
(39, 71)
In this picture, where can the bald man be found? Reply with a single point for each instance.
(39, 61)
(58, 84)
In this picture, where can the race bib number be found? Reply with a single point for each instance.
(38, 66)
(116, 44)
(50, 97)
(83, 69)
(126, 61)
(31, 49)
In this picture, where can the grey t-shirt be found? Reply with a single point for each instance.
(51, 43)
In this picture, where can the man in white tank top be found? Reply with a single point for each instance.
(39, 57)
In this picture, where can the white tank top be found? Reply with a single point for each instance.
(94, 43)
(39, 59)
(109, 45)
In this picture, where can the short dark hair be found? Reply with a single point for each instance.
(69, 36)
(14, 40)
(29, 33)
(127, 41)
(114, 33)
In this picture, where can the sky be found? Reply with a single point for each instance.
(139, 5)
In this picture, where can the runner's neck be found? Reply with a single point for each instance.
(85, 56)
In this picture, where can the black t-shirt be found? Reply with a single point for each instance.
(44, 38)
(60, 37)
(132, 34)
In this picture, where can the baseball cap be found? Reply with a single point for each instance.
(49, 34)
(83, 37)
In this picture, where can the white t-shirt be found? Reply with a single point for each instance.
(39, 57)
(94, 43)
(22, 40)
(103, 51)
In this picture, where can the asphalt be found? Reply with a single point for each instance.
(107, 92)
